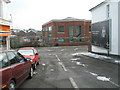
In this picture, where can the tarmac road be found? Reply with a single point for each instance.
(60, 68)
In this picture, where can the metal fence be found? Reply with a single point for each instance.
(25, 41)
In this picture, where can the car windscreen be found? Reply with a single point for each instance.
(26, 51)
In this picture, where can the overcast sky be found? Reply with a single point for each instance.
(33, 13)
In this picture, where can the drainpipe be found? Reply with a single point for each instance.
(8, 42)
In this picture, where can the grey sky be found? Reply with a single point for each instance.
(33, 13)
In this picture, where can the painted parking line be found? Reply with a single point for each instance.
(57, 58)
(61, 63)
(63, 66)
(114, 84)
(73, 83)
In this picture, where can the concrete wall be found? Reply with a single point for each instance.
(119, 28)
(99, 14)
(0, 8)
(4, 13)
(114, 27)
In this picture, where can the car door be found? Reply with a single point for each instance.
(26, 66)
(5, 70)
(17, 67)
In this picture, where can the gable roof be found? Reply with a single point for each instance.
(67, 19)
(106, 1)
(7, 1)
(98, 5)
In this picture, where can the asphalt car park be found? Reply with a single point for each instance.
(60, 68)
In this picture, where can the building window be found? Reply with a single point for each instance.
(60, 28)
(61, 40)
(71, 33)
(78, 33)
(108, 11)
(50, 28)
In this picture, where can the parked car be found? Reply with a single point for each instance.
(14, 69)
(30, 52)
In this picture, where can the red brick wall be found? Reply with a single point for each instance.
(85, 31)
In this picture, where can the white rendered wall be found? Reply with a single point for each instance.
(5, 16)
(114, 27)
(0, 8)
(100, 14)
(119, 28)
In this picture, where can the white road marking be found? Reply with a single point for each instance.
(63, 67)
(114, 84)
(57, 58)
(73, 82)
(98, 76)
(61, 63)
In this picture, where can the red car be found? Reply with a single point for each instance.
(14, 69)
(30, 52)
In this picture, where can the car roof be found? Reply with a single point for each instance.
(27, 48)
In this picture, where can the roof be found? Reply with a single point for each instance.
(98, 5)
(7, 1)
(67, 19)
(27, 48)
(106, 1)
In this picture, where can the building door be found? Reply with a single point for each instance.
(71, 39)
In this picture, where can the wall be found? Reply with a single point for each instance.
(114, 27)
(0, 8)
(4, 13)
(119, 28)
(100, 14)
(55, 34)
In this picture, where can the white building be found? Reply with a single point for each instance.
(106, 27)
(4, 14)
(4, 21)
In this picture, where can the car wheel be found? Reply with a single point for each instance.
(12, 85)
(35, 66)
(31, 73)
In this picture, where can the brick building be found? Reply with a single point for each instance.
(68, 31)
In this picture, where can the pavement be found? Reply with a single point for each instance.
(62, 67)
(111, 59)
